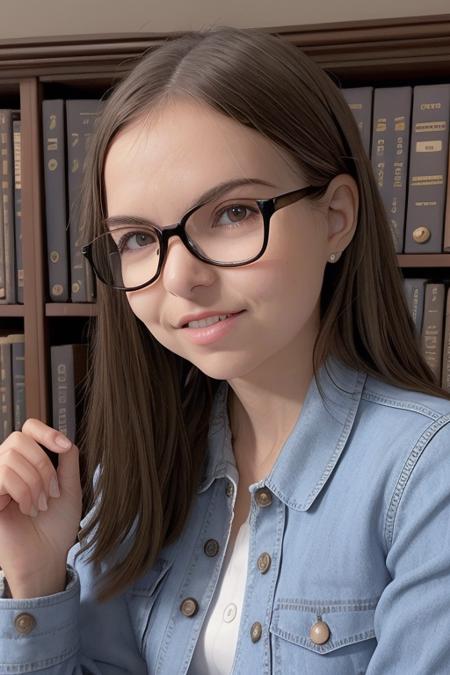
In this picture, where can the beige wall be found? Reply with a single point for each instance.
(29, 18)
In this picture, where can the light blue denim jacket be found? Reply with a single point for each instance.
(355, 519)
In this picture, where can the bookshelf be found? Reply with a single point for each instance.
(386, 52)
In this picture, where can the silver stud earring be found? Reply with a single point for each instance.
(332, 257)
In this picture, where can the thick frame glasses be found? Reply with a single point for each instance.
(267, 208)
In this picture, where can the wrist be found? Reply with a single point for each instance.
(36, 586)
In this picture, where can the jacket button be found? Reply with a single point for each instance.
(319, 632)
(24, 623)
(255, 631)
(211, 547)
(263, 562)
(263, 497)
(229, 488)
(189, 606)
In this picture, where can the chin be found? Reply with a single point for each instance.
(224, 369)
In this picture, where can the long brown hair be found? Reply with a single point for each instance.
(146, 427)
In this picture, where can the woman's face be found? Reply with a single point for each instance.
(157, 169)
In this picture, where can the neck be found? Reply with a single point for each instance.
(262, 414)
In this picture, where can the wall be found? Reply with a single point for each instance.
(30, 18)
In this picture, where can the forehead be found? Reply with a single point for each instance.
(187, 145)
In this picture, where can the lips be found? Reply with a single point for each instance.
(191, 317)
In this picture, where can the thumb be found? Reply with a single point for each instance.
(69, 470)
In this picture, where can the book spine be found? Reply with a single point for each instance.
(5, 388)
(63, 394)
(8, 206)
(80, 116)
(54, 150)
(390, 152)
(415, 294)
(18, 208)
(360, 102)
(428, 169)
(4, 183)
(18, 379)
(432, 332)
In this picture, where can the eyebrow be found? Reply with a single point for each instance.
(211, 193)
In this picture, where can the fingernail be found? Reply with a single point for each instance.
(63, 442)
(42, 503)
(33, 512)
(54, 488)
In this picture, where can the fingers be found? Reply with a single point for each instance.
(4, 501)
(42, 433)
(69, 470)
(27, 474)
(19, 443)
(13, 485)
(35, 494)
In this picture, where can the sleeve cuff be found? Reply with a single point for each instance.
(41, 631)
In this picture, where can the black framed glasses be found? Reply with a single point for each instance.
(226, 233)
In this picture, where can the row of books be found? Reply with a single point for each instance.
(68, 375)
(429, 306)
(405, 132)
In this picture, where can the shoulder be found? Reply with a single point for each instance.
(386, 395)
(396, 411)
(411, 431)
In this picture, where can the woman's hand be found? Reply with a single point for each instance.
(40, 510)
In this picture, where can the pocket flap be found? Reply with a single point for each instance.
(346, 622)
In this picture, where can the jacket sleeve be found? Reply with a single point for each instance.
(412, 617)
(68, 633)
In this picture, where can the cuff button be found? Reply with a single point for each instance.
(24, 623)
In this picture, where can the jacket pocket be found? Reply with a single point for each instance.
(334, 637)
(142, 597)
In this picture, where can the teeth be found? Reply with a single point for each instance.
(208, 322)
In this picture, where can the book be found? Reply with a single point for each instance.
(80, 121)
(17, 342)
(8, 296)
(68, 378)
(390, 153)
(56, 222)
(428, 169)
(432, 329)
(415, 297)
(6, 403)
(18, 208)
(360, 101)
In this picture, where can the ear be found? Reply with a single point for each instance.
(341, 212)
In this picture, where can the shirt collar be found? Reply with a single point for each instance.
(310, 454)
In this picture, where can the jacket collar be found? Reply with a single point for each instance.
(314, 446)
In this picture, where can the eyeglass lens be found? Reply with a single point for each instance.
(225, 232)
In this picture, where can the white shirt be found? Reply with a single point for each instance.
(216, 645)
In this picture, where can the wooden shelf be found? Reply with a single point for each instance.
(71, 309)
(12, 310)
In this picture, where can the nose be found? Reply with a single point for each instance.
(182, 271)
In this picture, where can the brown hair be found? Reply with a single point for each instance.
(147, 430)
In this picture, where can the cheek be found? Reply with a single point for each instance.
(145, 306)
(290, 278)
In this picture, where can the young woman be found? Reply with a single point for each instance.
(268, 452)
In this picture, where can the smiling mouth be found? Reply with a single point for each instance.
(217, 319)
